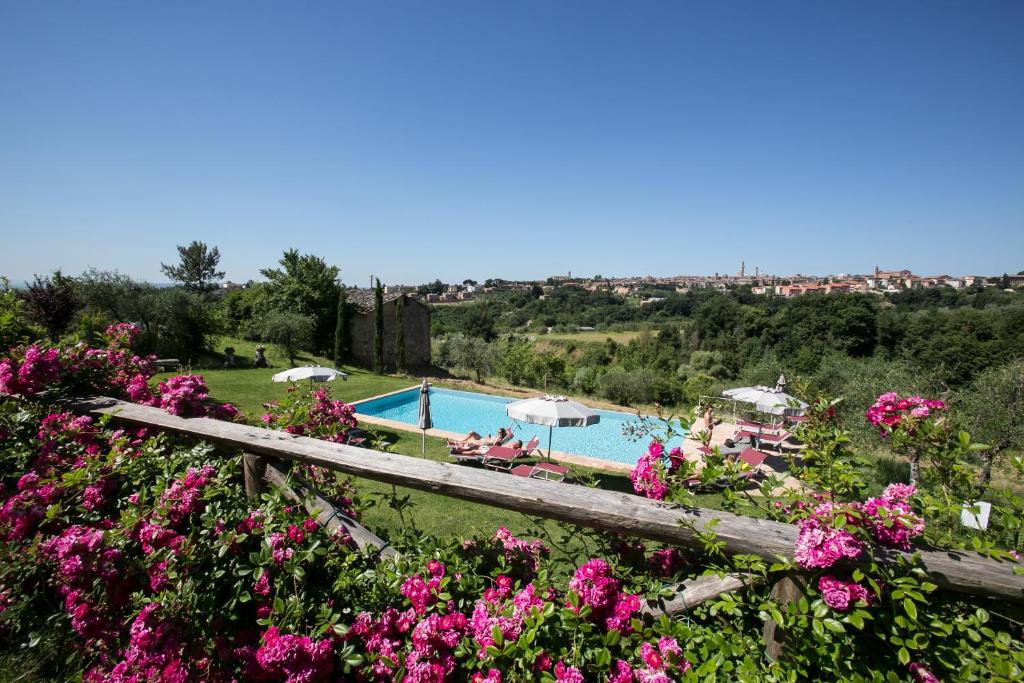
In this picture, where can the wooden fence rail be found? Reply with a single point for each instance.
(595, 508)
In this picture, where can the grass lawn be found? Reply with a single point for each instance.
(620, 337)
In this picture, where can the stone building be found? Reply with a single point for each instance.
(416, 317)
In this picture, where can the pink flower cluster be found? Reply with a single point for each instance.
(176, 505)
(518, 552)
(324, 418)
(121, 335)
(841, 595)
(890, 411)
(648, 475)
(33, 374)
(598, 589)
(182, 498)
(422, 593)
(819, 545)
(21, 514)
(920, 674)
(153, 654)
(184, 395)
(82, 559)
(383, 638)
(495, 610)
(433, 641)
(890, 518)
(568, 674)
(293, 659)
(66, 441)
(658, 664)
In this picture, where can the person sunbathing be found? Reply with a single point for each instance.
(477, 441)
(482, 449)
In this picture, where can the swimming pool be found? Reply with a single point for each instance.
(463, 411)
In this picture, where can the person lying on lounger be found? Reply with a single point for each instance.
(474, 440)
(482, 448)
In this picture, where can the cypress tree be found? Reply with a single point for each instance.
(340, 331)
(378, 329)
(400, 334)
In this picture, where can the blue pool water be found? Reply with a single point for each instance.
(463, 411)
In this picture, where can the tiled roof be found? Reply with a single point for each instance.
(362, 299)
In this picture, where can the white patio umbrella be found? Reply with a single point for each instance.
(553, 411)
(424, 422)
(765, 399)
(313, 373)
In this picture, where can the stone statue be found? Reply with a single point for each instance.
(229, 357)
(261, 360)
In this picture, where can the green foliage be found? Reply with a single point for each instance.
(240, 307)
(117, 296)
(52, 303)
(291, 332)
(305, 284)
(469, 353)
(626, 387)
(378, 328)
(14, 325)
(699, 385)
(197, 271)
(180, 324)
(992, 410)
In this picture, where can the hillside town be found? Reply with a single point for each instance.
(646, 287)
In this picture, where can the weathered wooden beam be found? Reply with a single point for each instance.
(595, 508)
(787, 590)
(693, 592)
(326, 513)
(253, 468)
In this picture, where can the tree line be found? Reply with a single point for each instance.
(300, 306)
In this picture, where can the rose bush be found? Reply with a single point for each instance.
(137, 557)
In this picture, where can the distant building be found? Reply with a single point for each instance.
(416, 323)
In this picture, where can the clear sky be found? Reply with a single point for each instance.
(415, 140)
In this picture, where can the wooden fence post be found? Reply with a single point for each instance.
(787, 590)
(253, 468)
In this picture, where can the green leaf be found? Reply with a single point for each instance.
(910, 608)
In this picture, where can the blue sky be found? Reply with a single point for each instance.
(416, 140)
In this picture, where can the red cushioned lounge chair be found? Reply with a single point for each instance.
(542, 470)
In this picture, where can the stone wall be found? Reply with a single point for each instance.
(417, 335)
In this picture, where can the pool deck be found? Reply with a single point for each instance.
(568, 458)
(774, 465)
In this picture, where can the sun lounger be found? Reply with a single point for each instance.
(753, 426)
(753, 458)
(502, 458)
(773, 441)
(531, 447)
(542, 470)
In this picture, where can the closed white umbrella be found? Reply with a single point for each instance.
(553, 411)
(424, 422)
(765, 399)
(314, 373)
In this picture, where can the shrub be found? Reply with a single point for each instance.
(625, 387)
(291, 332)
